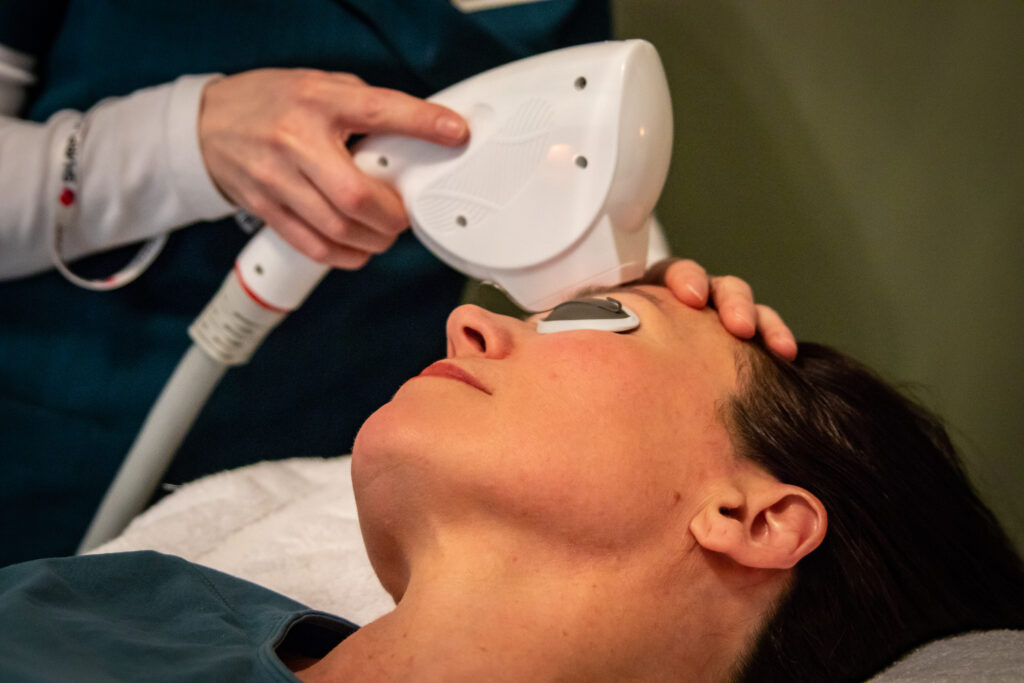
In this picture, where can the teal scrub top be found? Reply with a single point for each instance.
(79, 370)
(144, 616)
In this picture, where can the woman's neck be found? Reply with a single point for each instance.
(500, 620)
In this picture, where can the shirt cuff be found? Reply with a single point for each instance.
(193, 183)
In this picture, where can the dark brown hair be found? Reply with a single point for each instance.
(911, 553)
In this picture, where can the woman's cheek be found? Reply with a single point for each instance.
(589, 352)
(600, 373)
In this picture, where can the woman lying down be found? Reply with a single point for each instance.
(620, 489)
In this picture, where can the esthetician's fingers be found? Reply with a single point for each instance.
(742, 317)
(776, 334)
(304, 218)
(352, 194)
(364, 109)
(367, 109)
(735, 303)
(688, 280)
(734, 300)
(731, 296)
(308, 241)
(306, 202)
(274, 142)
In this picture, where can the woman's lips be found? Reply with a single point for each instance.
(449, 371)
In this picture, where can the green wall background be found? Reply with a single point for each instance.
(861, 164)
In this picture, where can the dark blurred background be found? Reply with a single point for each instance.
(861, 164)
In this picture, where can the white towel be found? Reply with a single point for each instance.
(288, 525)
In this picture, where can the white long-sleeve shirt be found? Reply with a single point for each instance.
(141, 172)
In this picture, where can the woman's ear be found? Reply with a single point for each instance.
(761, 523)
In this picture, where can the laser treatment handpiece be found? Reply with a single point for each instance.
(568, 154)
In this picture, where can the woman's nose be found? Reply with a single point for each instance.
(473, 331)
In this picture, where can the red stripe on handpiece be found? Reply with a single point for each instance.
(255, 297)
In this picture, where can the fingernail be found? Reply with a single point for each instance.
(451, 127)
(700, 297)
(746, 319)
(783, 345)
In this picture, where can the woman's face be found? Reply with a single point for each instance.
(588, 437)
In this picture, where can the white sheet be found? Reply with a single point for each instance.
(982, 657)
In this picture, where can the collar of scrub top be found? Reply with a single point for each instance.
(607, 315)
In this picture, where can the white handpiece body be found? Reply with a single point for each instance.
(567, 156)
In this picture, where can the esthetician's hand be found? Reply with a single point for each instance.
(273, 141)
(734, 300)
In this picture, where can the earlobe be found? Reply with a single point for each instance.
(766, 524)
